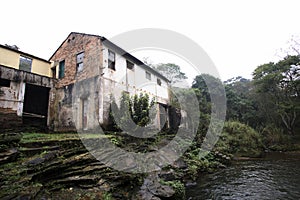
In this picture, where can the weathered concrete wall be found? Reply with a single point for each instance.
(66, 107)
(9, 96)
(12, 95)
(26, 77)
(60, 109)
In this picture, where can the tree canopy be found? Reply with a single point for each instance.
(171, 71)
(277, 86)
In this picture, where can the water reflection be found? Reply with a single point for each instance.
(275, 177)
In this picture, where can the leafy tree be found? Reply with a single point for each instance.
(215, 89)
(278, 86)
(205, 95)
(141, 109)
(171, 71)
(241, 101)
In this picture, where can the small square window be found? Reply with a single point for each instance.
(79, 61)
(148, 75)
(4, 82)
(111, 60)
(129, 65)
(25, 64)
(158, 81)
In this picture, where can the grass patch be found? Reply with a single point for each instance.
(44, 137)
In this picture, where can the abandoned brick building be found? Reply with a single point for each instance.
(78, 82)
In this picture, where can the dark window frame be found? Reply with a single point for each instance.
(148, 75)
(129, 65)
(158, 81)
(79, 61)
(61, 69)
(111, 63)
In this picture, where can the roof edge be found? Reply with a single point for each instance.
(122, 51)
(133, 58)
(24, 53)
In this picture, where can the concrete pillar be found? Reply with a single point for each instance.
(21, 99)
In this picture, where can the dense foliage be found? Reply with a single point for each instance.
(240, 140)
(171, 71)
(132, 110)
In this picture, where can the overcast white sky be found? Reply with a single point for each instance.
(237, 35)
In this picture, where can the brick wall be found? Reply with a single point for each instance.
(74, 44)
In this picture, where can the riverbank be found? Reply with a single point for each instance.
(58, 166)
(276, 176)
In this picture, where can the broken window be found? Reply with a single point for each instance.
(4, 82)
(129, 65)
(148, 75)
(61, 69)
(111, 60)
(79, 61)
(25, 64)
(158, 81)
(53, 70)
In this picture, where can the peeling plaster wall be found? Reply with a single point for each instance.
(12, 97)
(67, 97)
(9, 96)
(67, 104)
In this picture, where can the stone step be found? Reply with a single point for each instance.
(62, 143)
(38, 150)
(9, 156)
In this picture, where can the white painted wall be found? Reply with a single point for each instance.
(136, 81)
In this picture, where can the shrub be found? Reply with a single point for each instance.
(240, 140)
(132, 109)
(275, 139)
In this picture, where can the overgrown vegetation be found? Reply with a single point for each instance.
(179, 188)
(240, 140)
(270, 103)
(132, 110)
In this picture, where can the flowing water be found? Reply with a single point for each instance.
(275, 177)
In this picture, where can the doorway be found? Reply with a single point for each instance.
(35, 107)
